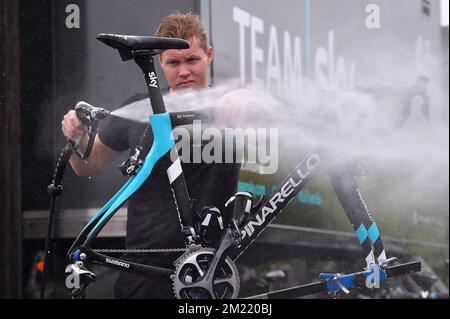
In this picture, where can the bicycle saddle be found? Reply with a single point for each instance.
(132, 45)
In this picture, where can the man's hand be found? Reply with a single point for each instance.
(74, 129)
(101, 155)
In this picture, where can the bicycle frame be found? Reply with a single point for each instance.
(162, 123)
(162, 146)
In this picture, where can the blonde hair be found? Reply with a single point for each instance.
(183, 26)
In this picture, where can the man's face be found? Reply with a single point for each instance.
(187, 68)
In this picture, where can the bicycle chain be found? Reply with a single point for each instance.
(138, 251)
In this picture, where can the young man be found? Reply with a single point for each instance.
(152, 217)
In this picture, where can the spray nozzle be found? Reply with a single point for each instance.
(87, 112)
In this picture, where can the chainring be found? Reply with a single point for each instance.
(190, 269)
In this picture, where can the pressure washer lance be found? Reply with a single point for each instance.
(89, 116)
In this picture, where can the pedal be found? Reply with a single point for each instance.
(242, 206)
(210, 226)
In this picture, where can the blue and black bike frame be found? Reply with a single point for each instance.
(162, 147)
(238, 236)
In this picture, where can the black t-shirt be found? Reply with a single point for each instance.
(152, 220)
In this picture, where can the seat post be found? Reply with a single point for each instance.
(147, 65)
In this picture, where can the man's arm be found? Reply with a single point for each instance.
(101, 155)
